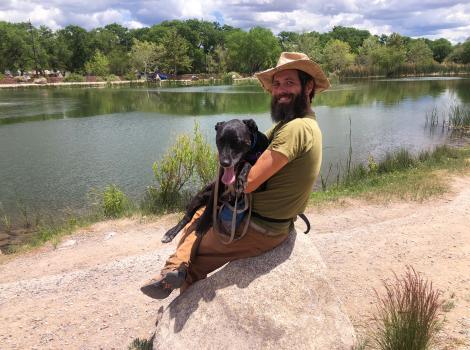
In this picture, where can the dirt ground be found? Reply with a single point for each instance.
(85, 293)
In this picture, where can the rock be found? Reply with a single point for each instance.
(68, 243)
(109, 235)
(41, 80)
(280, 300)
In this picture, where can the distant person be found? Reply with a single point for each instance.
(289, 167)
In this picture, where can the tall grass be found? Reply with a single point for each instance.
(399, 175)
(407, 316)
(456, 119)
(459, 117)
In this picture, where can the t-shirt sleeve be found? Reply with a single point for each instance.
(291, 140)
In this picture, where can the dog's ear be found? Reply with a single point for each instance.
(251, 124)
(218, 125)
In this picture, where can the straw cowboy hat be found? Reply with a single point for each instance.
(295, 60)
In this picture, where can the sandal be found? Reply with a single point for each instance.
(162, 286)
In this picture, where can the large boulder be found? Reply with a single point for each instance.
(279, 300)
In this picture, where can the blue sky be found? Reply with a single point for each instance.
(426, 18)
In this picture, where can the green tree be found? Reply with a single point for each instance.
(366, 51)
(289, 41)
(466, 52)
(175, 56)
(354, 37)
(144, 55)
(441, 48)
(309, 43)
(119, 61)
(217, 61)
(98, 65)
(419, 53)
(78, 43)
(15, 47)
(123, 35)
(253, 51)
(103, 40)
(61, 54)
(389, 59)
(337, 55)
(391, 56)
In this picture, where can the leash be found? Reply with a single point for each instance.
(216, 211)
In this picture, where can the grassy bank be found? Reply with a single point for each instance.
(399, 176)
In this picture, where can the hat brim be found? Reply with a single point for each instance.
(307, 66)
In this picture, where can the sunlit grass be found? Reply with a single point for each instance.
(399, 176)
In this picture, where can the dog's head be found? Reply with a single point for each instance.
(234, 139)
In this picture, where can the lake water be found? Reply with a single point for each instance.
(56, 144)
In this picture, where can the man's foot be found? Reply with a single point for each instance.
(161, 286)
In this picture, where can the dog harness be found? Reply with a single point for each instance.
(230, 215)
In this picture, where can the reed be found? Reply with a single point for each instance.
(459, 117)
(455, 120)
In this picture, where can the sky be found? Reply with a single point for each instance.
(431, 19)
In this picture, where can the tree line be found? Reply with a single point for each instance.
(196, 46)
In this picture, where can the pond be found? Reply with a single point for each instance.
(56, 144)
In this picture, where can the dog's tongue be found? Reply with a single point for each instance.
(229, 176)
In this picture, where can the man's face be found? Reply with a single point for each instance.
(288, 98)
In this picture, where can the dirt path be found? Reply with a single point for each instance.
(84, 295)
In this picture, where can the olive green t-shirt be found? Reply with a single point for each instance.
(287, 192)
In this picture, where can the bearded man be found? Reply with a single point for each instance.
(288, 167)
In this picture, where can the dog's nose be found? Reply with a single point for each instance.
(225, 163)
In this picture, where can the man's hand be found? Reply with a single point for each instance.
(266, 166)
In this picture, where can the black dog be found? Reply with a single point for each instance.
(239, 145)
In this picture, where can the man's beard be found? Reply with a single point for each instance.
(297, 107)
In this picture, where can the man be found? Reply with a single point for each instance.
(289, 167)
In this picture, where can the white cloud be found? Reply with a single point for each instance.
(424, 18)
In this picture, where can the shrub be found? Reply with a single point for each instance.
(112, 77)
(407, 315)
(74, 77)
(130, 76)
(113, 202)
(188, 163)
(98, 65)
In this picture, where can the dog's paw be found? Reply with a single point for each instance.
(169, 235)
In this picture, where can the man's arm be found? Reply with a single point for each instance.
(269, 163)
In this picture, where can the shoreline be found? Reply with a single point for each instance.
(426, 179)
(161, 83)
(209, 81)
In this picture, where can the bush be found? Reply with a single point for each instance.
(130, 76)
(112, 77)
(407, 315)
(98, 65)
(75, 78)
(189, 163)
(113, 202)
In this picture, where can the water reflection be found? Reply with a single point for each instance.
(17, 106)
